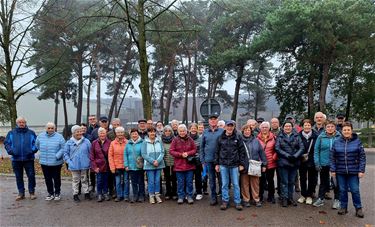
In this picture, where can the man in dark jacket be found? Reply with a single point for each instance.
(229, 158)
(93, 124)
(20, 143)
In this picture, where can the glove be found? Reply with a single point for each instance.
(318, 168)
(291, 158)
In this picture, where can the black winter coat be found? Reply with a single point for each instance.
(289, 150)
(230, 151)
(306, 145)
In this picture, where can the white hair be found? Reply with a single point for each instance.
(75, 128)
(116, 119)
(317, 113)
(174, 121)
(101, 129)
(251, 121)
(221, 122)
(119, 129)
(20, 118)
(182, 126)
(265, 123)
(50, 124)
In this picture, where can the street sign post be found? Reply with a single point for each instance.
(208, 107)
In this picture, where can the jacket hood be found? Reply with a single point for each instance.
(149, 141)
(139, 140)
(18, 129)
(354, 137)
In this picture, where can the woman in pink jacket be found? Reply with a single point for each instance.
(267, 141)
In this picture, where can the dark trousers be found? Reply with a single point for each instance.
(18, 167)
(138, 184)
(52, 177)
(324, 181)
(267, 178)
(212, 174)
(308, 177)
(102, 183)
(170, 181)
(198, 179)
(336, 189)
(111, 184)
(92, 180)
(287, 176)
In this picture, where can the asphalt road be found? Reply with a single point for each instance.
(91, 213)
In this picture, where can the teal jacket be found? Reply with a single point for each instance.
(133, 150)
(323, 148)
(151, 152)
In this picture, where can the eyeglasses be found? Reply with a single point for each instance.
(50, 128)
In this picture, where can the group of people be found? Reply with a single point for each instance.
(246, 159)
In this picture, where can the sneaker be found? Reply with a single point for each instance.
(76, 199)
(223, 206)
(126, 199)
(292, 202)
(258, 204)
(342, 211)
(359, 213)
(100, 198)
(57, 197)
(140, 200)
(327, 196)
(158, 199)
(107, 197)
(118, 199)
(301, 199)
(152, 199)
(174, 197)
(20, 197)
(32, 196)
(199, 197)
(167, 197)
(49, 197)
(180, 201)
(336, 204)
(309, 200)
(246, 204)
(213, 202)
(190, 200)
(318, 203)
(239, 207)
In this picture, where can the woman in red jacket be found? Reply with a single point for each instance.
(183, 147)
(267, 141)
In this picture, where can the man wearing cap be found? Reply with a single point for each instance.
(230, 158)
(340, 119)
(207, 152)
(142, 128)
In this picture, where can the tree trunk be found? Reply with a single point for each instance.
(98, 70)
(310, 94)
(323, 87)
(194, 114)
(56, 109)
(240, 71)
(161, 100)
(122, 100)
(257, 96)
(80, 86)
(169, 94)
(143, 62)
(187, 87)
(349, 90)
(66, 124)
(88, 98)
(117, 85)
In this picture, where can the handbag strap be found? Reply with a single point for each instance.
(311, 142)
(101, 148)
(249, 156)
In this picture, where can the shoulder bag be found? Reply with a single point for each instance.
(255, 167)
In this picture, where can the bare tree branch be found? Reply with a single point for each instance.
(161, 12)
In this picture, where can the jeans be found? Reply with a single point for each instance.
(212, 179)
(18, 167)
(308, 180)
(324, 181)
(170, 181)
(102, 183)
(52, 177)
(198, 179)
(185, 178)
(288, 177)
(138, 184)
(346, 182)
(230, 173)
(153, 177)
(122, 183)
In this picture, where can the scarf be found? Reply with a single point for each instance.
(194, 136)
(246, 139)
(306, 135)
(167, 139)
(77, 142)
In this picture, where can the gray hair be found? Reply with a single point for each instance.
(182, 126)
(265, 123)
(193, 125)
(116, 119)
(119, 129)
(174, 121)
(101, 129)
(317, 113)
(20, 118)
(75, 128)
(167, 127)
(50, 124)
(251, 121)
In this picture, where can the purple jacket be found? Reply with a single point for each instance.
(99, 155)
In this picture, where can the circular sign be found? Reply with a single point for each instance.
(209, 107)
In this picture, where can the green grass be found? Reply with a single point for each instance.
(6, 167)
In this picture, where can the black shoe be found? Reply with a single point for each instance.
(87, 196)
(292, 202)
(271, 200)
(359, 213)
(342, 211)
(246, 204)
(284, 203)
(223, 206)
(76, 198)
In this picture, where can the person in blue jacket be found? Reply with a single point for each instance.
(348, 163)
(20, 143)
(77, 156)
(51, 149)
